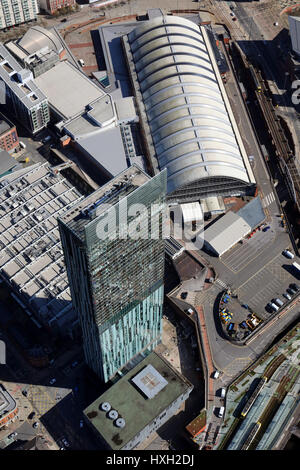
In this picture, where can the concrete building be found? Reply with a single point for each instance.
(116, 281)
(9, 139)
(8, 407)
(187, 122)
(138, 404)
(51, 6)
(31, 257)
(21, 95)
(16, 12)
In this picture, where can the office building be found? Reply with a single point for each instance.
(116, 281)
(187, 123)
(17, 11)
(9, 139)
(138, 404)
(21, 96)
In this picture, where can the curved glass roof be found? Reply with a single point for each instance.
(192, 126)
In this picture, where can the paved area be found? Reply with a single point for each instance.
(241, 255)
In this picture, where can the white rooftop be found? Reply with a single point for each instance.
(68, 90)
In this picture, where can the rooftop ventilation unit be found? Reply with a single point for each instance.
(113, 414)
(105, 406)
(120, 423)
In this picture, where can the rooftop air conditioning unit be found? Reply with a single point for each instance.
(120, 423)
(113, 414)
(105, 406)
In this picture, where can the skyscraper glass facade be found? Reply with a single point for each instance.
(116, 281)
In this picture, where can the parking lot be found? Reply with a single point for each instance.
(241, 255)
(270, 282)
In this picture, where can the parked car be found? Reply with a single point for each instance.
(81, 423)
(183, 295)
(74, 364)
(24, 392)
(36, 425)
(294, 286)
(12, 435)
(52, 381)
(266, 228)
(65, 442)
(47, 139)
(288, 254)
(216, 374)
(287, 296)
(291, 291)
(31, 415)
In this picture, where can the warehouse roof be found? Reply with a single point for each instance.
(225, 232)
(191, 124)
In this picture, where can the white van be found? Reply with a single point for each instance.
(221, 412)
(216, 374)
(223, 392)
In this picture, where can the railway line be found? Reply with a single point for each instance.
(283, 151)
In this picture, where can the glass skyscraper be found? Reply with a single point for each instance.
(114, 254)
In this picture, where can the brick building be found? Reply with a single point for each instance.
(51, 6)
(9, 139)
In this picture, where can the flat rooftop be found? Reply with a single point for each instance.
(111, 158)
(138, 397)
(31, 256)
(83, 213)
(68, 90)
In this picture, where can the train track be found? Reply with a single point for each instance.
(283, 151)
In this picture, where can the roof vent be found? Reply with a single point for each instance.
(105, 406)
(113, 414)
(120, 423)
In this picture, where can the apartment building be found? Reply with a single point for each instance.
(14, 12)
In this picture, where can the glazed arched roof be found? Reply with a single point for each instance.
(191, 124)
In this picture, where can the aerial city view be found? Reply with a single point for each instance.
(149, 226)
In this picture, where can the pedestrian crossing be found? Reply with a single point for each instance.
(221, 284)
(268, 199)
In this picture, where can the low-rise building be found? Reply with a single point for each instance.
(138, 404)
(9, 139)
(51, 6)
